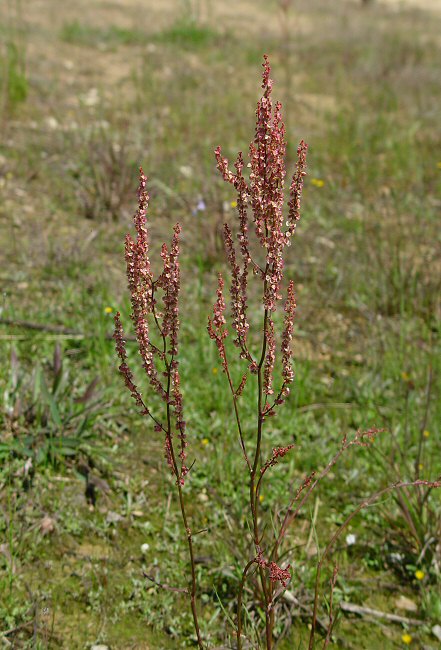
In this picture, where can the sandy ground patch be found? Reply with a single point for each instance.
(430, 5)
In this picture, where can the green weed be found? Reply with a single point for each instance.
(77, 33)
(187, 34)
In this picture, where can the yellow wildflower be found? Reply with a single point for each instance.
(261, 498)
(405, 376)
(108, 310)
(317, 182)
(426, 433)
(205, 441)
(406, 638)
(215, 371)
(233, 204)
(419, 575)
(420, 466)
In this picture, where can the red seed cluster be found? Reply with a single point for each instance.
(279, 575)
(270, 358)
(124, 369)
(216, 325)
(288, 330)
(278, 452)
(276, 573)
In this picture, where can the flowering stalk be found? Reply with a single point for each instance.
(160, 362)
(263, 197)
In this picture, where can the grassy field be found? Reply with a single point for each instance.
(88, 93)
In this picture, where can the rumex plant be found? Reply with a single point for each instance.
(155, 303)
(263, 194)
(258, 254)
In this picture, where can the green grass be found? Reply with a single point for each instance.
(364, 92)
(77, 33)
(14, 79)
(187, 34)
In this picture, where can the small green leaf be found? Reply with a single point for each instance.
(55, 413)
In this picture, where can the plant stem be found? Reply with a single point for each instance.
(254, 502)
(236, 412)
(193, 569)
(239, 604)
(423, 425)
(192, 590)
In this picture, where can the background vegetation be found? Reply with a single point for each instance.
(88, 93)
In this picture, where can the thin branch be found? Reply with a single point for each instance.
(55, 329)
(178, 590)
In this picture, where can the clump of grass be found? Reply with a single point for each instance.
(77, 33)
(46, 417)
(13, 74)
(187, 33)
(105, 176)
(14, 79)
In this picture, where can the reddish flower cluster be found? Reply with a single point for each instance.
(237, 292)
(362, 438)
(290, 309)
(276, 573)
(295, 191)
(265, 196)
(279, 575)
(143, 291)
(278, 452)
(220, 306)
(270, 358)
(241, 386)
(216, 325)
(124, 369)
(169, 281)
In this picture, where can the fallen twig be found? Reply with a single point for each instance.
(368, 611)
(54, 329)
